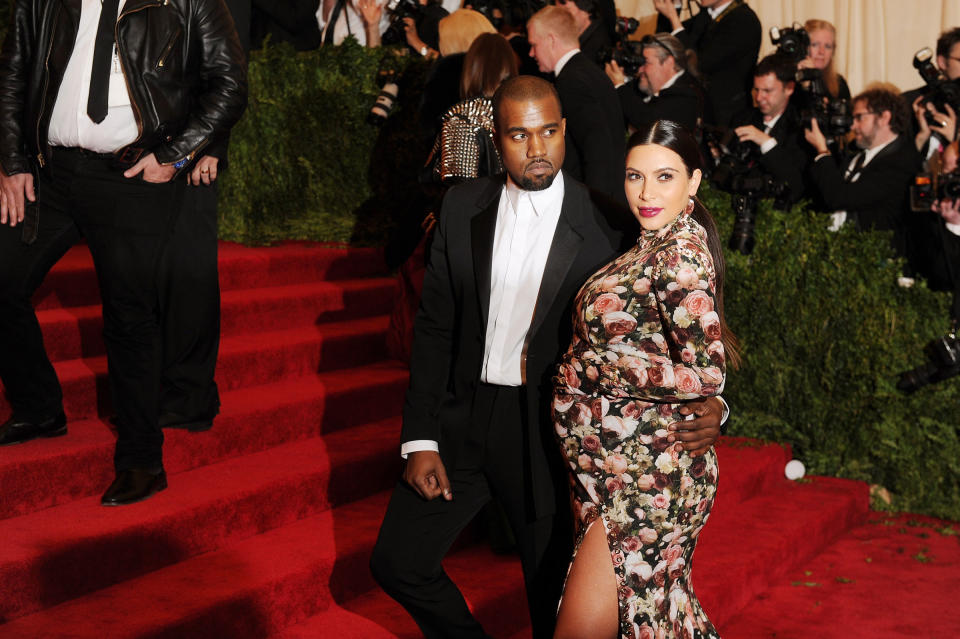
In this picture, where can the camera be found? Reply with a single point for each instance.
(943, 361)
(940, 91)
(396, 33)
(626, 53)
(792, 42)
(387, 80)
(737, 171)
(926, 188)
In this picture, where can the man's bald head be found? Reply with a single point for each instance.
(523, 88)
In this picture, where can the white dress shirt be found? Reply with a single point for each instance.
(558, 67)
(526, 222)
(837, 218)
(768, 125)
(69, 123)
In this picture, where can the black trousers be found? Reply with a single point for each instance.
(189, 288)
(126, 223)
(417, 534)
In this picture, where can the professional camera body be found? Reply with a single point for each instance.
(396, 33)
(625, 52)
(940, 90)
(926, 188)
(737, 170)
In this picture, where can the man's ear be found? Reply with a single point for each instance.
(885, 117)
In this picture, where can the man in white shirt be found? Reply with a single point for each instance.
(509, 256)
(104, 104)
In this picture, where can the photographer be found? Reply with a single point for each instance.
(773, 124)
(872, 188)
(365, 20)
(726, 37)
(823, 44)
(663, 89)
(948, 70)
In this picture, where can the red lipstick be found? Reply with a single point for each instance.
(649, 211)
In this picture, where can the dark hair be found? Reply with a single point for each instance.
(523, 88)
(589, 6)
(489, 61)
(665, 45)
(946, 41)
(879, 100)
(782, 67)
(671, 135)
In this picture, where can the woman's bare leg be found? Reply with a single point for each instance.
(590, 608)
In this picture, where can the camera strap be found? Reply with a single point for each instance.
(332, 22)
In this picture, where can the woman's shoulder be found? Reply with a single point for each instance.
(686, 246)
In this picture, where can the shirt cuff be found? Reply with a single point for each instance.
(768, 145)
(420, 445)
(822, 155)
(726, 410)
(676, 31)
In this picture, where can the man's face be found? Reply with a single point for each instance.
(541, 48)
(950, 65)
(654, 73)
(771, 95)
(866, 124)
(706, 4)
(530, 139)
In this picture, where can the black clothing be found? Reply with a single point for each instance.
(879, 198)
(162, 71)
(786, 161)
(493, 440)
(682, 102)
(727, 51)
(441, 91)
(595, 139)
(428, 25)
(593, 40)
(293, 21)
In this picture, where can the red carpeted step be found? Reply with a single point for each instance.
(250, 589)
(75, 332)
(71, 282)
(746, 546)
(244, 360)
(46, 472)
(748, 467)
(44, 562)
(895, 577)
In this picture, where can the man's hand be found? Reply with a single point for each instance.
(205, 171)
(815, 137)
(13, 188)
(751, 133)
(669, 11)
(152, 170)
(615, 73)
(949, 210)
(426, 475)
(413, 38)
(699, 434)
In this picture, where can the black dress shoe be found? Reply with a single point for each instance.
(169, 419)
(133, 485)
(17, 431)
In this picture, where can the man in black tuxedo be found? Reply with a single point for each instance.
(507, 260)
(726, 36)
(664, 88)
(773, 125)
(595, 137)
(872, 188)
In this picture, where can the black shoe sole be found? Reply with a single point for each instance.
(160, 488)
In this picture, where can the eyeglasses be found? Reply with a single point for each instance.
(859, 116)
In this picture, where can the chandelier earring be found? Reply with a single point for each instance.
(690, 205)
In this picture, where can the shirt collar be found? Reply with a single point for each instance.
(871, 153)
(669, 83)
(717, 10)
(540, 201)
(772, 122)
(563, 60)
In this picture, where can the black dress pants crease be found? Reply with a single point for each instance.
(126, 223)
(417, 534)
(189, 288)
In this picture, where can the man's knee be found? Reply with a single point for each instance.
(391, 567)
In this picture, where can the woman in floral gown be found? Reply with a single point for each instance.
(648, 335)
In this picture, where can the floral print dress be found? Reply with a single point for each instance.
(646, 338)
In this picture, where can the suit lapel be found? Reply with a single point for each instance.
(482, 229)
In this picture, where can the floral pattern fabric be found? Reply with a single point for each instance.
(646, 338)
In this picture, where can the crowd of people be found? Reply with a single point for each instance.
(569, 159)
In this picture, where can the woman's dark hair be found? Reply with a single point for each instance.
(489, 61)
(671, 135)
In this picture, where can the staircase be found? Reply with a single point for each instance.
(266, 528)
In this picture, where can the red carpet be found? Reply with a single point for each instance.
(267, 525)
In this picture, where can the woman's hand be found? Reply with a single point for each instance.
(370, 11)
(668, 10)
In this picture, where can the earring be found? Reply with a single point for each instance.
(690, 205)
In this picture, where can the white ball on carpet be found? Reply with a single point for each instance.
(794, 469)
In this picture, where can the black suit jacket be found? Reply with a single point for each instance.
(786, 161)
(450, 326)
(681, 102)
(727, 51)
(596, 139)
(880, 197)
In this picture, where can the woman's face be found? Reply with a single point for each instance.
(822, 43)
(657, 185)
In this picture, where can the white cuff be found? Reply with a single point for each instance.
(768, 145)
(418, 445)
(726, 411)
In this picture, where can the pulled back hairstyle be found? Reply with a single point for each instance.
(489, 61)
(671, 135)
(830, 78)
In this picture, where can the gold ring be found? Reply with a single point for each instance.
(204, 170)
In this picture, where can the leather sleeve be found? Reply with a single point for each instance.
(15, 59)
(224, 96)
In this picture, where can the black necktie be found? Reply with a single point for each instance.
(102, 59)
(854, 170)
(332, 22)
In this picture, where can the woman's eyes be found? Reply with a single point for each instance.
(663, 177)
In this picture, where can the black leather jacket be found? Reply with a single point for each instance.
(182, 61)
